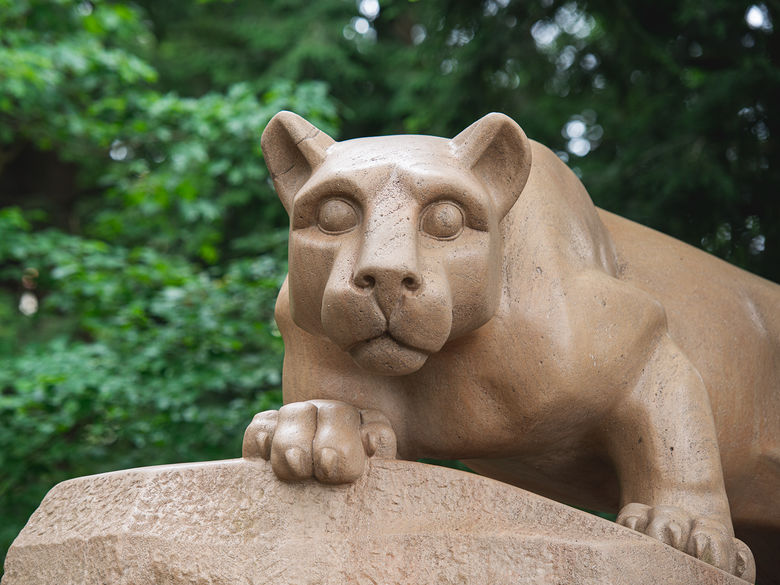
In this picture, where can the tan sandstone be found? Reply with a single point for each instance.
(234, 523)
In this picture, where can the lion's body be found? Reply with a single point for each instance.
(616, 365)
(725, 320)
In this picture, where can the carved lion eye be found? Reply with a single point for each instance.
(336, 216)
(442, 220)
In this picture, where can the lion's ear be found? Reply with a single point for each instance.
(293, 148)
(497, 151)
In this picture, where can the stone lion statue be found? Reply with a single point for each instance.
(464, 299)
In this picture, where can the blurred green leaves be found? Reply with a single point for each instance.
(132, 357)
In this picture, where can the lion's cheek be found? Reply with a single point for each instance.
(424, 320)
(475, 280)
(312, 265)
(347, 315)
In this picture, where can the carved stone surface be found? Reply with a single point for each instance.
(234, 523)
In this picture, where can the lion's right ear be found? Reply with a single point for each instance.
(293, 148)
(496, 149)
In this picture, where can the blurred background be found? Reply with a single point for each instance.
(141, 243)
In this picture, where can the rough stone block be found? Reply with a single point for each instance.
(234, 523)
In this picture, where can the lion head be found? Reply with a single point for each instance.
(395, 247)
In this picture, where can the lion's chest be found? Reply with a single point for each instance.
(493, 392)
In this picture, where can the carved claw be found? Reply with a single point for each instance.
(258, 435)
(746, 564)
(325, 439)
(703, 538)
(377, 434)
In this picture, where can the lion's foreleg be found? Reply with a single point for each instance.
(662, 440)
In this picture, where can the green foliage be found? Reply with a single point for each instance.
(133, 357)
(141, 245)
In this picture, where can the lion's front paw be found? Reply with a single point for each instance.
(325, 439)
(703, 538)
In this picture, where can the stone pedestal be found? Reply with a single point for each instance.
(233, 523)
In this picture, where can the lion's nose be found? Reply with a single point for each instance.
(387, 264)
(387, 278)
(388, 285)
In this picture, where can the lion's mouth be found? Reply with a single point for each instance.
(384, 354)
(383, 335)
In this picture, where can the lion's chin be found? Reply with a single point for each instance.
(384, 355)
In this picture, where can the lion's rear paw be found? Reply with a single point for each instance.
(325, 439)
(703, 538)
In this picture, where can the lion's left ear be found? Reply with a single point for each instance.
(293, 148)
(498, 152)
